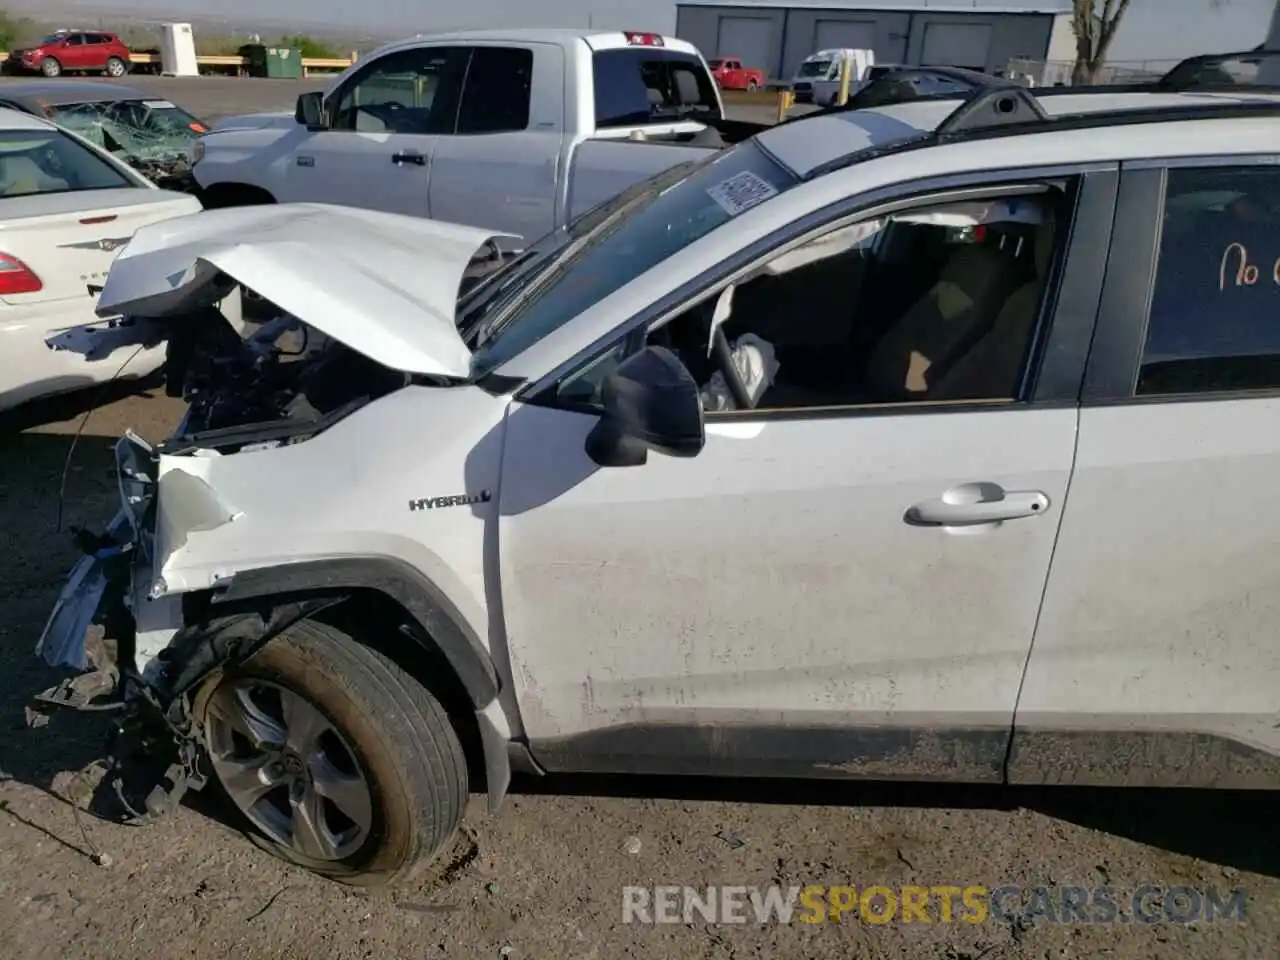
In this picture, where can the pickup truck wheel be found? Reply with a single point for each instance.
(341, 762)
(50, 67)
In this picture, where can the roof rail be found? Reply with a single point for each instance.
(996, 105)
(989, 111)
(1208, 71)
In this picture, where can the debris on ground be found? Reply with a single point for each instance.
(730, 839)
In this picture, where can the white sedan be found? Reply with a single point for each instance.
(66, 208)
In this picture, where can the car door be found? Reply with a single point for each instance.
(96, 48)
(1156, 662)
(831, 586)
(383, 126)
(74, 53)
(499, 169)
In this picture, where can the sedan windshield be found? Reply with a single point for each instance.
(573, 269)
(815, 68)
(141, 129)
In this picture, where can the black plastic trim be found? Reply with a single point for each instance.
(433, 611)
(1078, 277)
(1116, 352)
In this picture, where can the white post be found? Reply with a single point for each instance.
(1269, 70)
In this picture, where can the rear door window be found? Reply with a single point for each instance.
(640, 85)
(497, 91)
(1212, 326)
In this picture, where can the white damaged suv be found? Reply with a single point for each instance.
(931, 441)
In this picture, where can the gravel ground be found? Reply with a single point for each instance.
(546, 878)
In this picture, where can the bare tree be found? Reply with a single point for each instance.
(1094, 23)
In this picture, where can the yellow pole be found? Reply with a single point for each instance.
(784, 104)
(846, 76)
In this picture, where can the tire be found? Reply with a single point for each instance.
(116, 67)
(50, 67)
(378, 728)
(752, 86)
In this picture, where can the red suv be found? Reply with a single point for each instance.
(73, 50)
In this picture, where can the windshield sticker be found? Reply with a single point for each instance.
(741, 192)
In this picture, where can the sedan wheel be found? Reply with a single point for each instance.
(289, 770)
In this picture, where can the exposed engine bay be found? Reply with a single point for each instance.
(277, 375)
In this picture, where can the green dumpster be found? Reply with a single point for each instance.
(283, 63)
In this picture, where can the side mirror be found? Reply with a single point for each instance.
(310, 110)
(650, 402)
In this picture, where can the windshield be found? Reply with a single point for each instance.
(575, 268)
(48, 161)
(51, 38)
(814, 68)
(714, 64)
(143, 129)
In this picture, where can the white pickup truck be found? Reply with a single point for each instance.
(517, 131)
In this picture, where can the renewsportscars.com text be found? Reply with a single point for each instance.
(1146, 904)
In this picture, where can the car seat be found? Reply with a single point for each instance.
(20, 176)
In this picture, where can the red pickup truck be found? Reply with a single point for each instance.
(732, 75)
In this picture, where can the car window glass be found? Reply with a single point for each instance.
(1212, 325)
(133, 128)
(48, 161)
(497, 90)
(623, 238)
(411, 91)
(638, 85)
(936, 304)
(75, 41)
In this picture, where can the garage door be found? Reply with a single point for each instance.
(748, 38)
(844, 34)
(956, 45)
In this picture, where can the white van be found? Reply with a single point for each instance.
(818, 79)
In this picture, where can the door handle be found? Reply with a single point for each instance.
(971, 504)
(409, 156)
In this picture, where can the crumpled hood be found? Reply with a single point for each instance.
(385, 285)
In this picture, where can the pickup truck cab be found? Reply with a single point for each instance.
(732, 75)
(518, 131)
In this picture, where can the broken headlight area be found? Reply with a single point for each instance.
(268, 384)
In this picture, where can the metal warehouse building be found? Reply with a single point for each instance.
(776, 35)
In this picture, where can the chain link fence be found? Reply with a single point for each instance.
(1049, 73)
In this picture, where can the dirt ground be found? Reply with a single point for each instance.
(546, 878)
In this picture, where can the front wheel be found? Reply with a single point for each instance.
(50, 67)
(116, 67)
(341, 762)
(752, 86)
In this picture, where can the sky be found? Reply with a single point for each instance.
(1153, 29)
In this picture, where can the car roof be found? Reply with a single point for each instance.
(596, 39)
(36, 94)
(17, 120)
(806, 144)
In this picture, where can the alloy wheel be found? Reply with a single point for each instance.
(286, 767)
